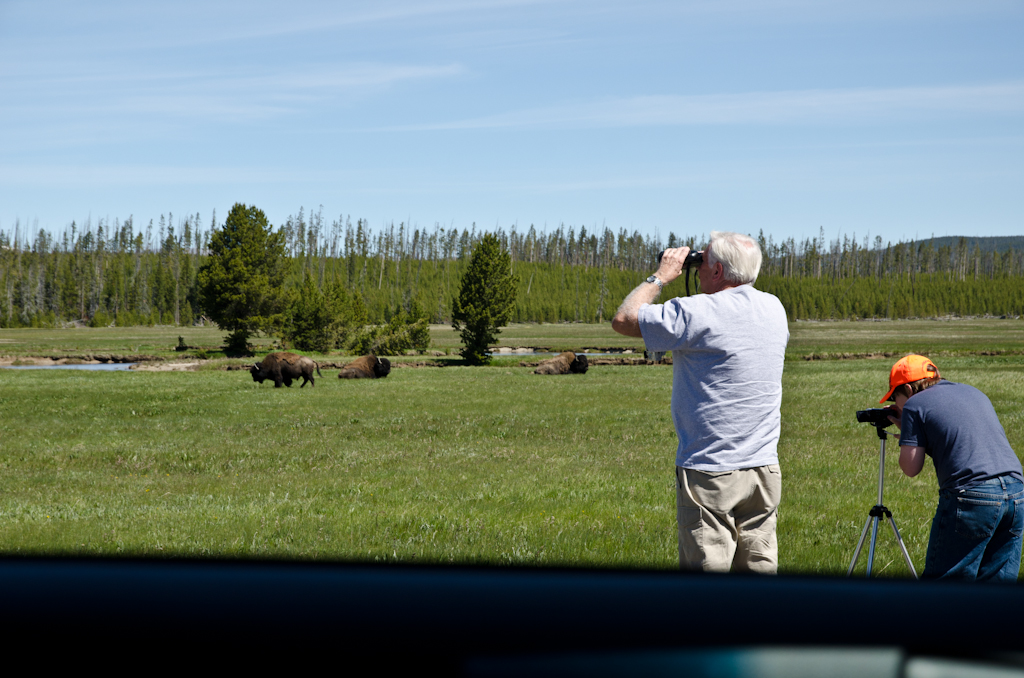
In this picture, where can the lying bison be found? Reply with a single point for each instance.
(282, 368)
(367, 367)
(563, 363)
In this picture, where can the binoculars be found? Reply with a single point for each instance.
(694, 258)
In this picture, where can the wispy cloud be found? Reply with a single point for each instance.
(334, 16)
(197, 22)
(129, 26)
(800, 106)
(159, 175)
(231, 95)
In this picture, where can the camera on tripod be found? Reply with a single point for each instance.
(877, 416)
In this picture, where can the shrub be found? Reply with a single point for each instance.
(395, 337)
(322, 320)
(100, 319)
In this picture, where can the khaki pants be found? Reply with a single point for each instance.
(727, 519)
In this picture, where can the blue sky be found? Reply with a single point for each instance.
(863, 118)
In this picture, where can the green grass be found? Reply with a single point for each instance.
(468, 465)
(460, 464)
(934, 338)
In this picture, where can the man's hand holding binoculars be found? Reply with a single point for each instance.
(673, 261)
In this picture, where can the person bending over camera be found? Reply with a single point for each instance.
(976, 532)
(728, 346)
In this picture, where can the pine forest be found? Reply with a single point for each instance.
(123, 273)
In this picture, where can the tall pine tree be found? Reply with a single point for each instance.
(486, 301)
(241, 282)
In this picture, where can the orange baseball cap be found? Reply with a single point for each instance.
(907, 369)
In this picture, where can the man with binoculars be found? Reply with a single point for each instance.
(728, 346)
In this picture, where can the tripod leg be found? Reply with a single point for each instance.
(856, 553)
(871, 547)
(903, 547)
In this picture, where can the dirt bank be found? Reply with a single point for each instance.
(78, 359)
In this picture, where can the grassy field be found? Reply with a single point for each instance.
(468, 465)
(160, 341)
(935, 338)
(808, 339)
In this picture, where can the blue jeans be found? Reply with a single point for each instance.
(976, 533)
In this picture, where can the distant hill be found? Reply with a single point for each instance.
(990, 244)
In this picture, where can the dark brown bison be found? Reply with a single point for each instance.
(563, 363)
(366, 367)
(282, 368)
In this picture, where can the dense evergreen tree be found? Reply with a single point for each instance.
(241, 283)
(486, 301)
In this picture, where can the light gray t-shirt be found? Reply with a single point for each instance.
(728, 350)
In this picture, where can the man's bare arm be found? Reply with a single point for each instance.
(626, 319)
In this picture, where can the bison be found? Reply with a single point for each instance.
(563, 363)
(282, 368)
(366, 367)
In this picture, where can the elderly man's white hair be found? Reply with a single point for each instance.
(739, 255)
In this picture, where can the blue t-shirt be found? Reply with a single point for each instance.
(728, 350)
(958, 428)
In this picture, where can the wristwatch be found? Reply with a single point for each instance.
(654, 279)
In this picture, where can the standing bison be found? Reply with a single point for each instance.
(282, 368)
(563, 363)
(366, 367)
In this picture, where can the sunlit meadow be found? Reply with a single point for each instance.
(449, 464)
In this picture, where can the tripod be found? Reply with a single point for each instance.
(876, 513)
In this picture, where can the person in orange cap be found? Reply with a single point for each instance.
(977, 528)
